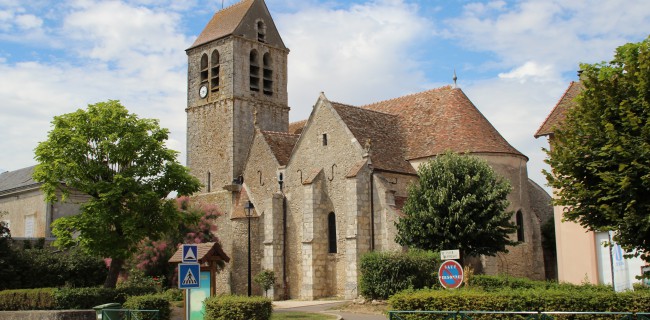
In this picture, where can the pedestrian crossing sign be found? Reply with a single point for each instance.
(188, 275)
(190, 253)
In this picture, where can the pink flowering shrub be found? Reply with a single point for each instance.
(198, 227)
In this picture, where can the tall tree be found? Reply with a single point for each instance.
(459, 202)
(122, 163)
(600, 154)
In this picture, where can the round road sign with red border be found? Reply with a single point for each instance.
(450, 274)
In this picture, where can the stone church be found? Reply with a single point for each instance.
(327, 189)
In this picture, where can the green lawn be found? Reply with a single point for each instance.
(300, 315)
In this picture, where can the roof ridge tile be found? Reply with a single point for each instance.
(279, 133)
(406, 96)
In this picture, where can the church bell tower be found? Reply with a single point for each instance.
(237, 79)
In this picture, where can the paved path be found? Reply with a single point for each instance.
(323, 307)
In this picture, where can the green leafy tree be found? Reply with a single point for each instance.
(265, 279)
(122, 163)
(459, 202)
(600, 155)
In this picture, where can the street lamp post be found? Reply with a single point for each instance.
(249, 212)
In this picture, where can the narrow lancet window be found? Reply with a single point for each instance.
(268, 74)
(214, 71)
(331, 232)
(254, 74)
(204, 68)
(519, 217)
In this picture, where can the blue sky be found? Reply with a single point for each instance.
(514, 59)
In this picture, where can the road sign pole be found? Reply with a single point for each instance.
(187, 304)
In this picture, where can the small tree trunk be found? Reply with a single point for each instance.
(113, 273)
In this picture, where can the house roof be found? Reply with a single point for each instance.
(435, 121)
(382, 130)
(558, 114)
(296, 127)
(281, 144)
(223, 23)
(205, 251)
(16, 180)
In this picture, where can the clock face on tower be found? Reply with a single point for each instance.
(203, 91)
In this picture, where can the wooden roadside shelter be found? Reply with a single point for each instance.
(210, 256)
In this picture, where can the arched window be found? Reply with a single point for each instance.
(204, 68)
(519, 217)
(331, 232)
(254, 71)
(261, 31)
(268, 74)
(214, 71)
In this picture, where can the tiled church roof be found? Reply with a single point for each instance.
(281, 144)
(223, 23)
(442, 119)
(558, 114)
(387, 143)
(296, 127)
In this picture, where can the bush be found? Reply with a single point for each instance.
(521, 300)
(173, 294)
(27, 299)
(150, 302)
(238, 308)
(137, 278)
(386, 273)
(86, 298)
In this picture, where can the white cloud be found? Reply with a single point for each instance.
(358, 54)
(551, 31)
(529, 70)
(128, 53)
(28, 21)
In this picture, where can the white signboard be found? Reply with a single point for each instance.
(449, 254)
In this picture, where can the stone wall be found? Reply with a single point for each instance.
(22, 204)
(48, 315)
(334, 161)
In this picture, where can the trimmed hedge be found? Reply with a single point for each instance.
(238, 308)
(150, 302)
(86, 298)
(67, 298)
(386, 273)
(521, 300)
(54, 269)
(497, 283)
(27, 299)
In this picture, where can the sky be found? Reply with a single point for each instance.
(513, 59)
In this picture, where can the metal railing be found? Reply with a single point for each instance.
(126, 314)
(525, 315)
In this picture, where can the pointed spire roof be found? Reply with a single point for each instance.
(558, 114)
(240, 19)
(223, 23)
(442, 119)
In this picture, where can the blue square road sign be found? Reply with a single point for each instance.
(188, 275)
(190, 253)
